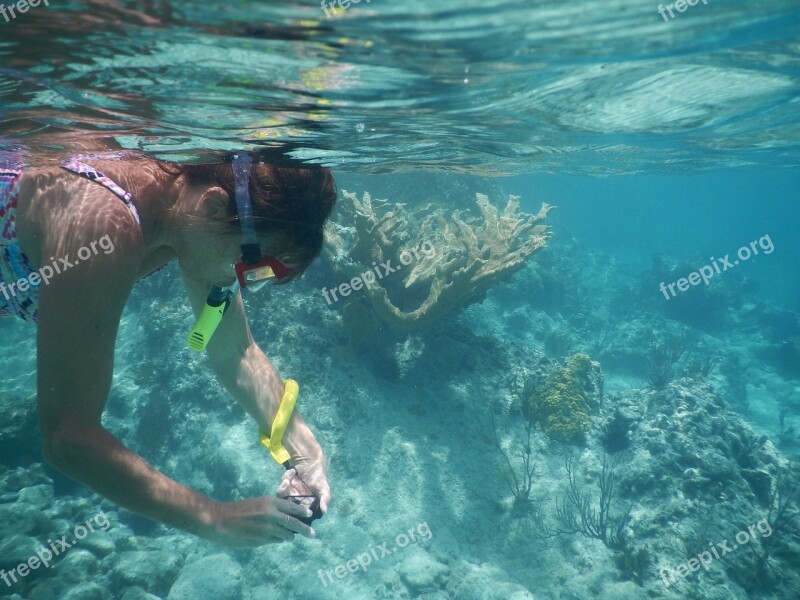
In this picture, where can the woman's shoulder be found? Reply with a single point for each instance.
(58, 208)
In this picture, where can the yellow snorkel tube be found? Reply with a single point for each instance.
(217, 303)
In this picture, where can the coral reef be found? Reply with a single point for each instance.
(466, 256)
(562, 405)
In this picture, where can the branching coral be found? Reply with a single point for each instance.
(578, 514)
(518, 473)
(466, 257)
(663, 356)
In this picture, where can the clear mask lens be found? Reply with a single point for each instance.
(258, 278)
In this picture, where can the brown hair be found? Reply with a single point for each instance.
(290, 204)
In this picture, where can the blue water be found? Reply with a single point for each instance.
(549, 428)
(688, 217)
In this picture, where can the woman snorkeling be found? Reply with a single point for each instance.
(229, 225)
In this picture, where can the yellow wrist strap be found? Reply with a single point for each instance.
(285, 409)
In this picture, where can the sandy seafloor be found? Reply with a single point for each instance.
(406, 426)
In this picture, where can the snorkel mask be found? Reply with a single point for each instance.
(253, 270)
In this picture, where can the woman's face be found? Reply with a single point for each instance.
(209, 256)
(206, 246)
(209, 247)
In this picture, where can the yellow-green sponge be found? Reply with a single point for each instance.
(561, 405)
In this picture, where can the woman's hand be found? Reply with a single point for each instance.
(308, 477)
(257, 521)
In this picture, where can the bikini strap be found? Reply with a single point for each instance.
(93, 174)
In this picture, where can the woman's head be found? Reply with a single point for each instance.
(290, 205)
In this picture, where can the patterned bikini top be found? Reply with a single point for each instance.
(93, 174)
(14, 264)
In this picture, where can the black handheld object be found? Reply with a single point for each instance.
(316, 511)
(314, 506)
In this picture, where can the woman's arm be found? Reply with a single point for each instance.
(79, 312)
(249, 376)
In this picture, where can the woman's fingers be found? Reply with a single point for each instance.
(281, 534)
(293, 526)
(278, 522)
(292, 485)
(290, 508)
(257, 521)
(324, 501)
(286, 482)
(288, 513)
